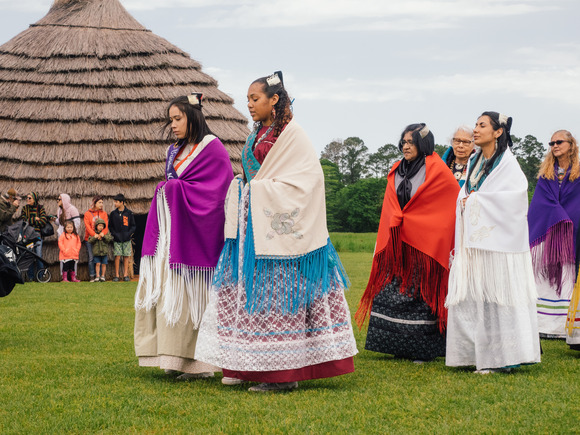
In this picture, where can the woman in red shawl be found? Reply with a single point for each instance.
(406, 292)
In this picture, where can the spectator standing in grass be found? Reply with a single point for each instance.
(492, 322)
(121, 226)
(93, 213)
(100, 244)
(278, 314)
(405, 295)
(183, 239)
(35, 214)
(69, 245)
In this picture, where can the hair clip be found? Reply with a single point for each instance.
(274, 79)
(502, 119)
(195, 99)
(424, 132)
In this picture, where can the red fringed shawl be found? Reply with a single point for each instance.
(413, 244)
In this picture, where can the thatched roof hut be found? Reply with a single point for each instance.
(82, 98)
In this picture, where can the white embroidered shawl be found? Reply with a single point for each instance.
(492, 255)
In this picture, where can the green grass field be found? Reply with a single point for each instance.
(67, 365)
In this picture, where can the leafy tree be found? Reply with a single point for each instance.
(350, 155)
(530, 153)
(333, 151)
(440, 149)
(379, 164)
(358, 206)
(353, 160)
(332, 185)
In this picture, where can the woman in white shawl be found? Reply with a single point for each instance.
(492, 322)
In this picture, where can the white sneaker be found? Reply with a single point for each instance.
(94, 279)
(187, 376)
(266, 387)
(232, 381)
(485, 371)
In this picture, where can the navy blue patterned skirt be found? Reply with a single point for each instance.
(403, 326)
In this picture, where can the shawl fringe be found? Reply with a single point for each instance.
(176, 283)
(420, 276)
(552, 251)
(287, 284)
(186, 281)
(504, 278)
(226, 272)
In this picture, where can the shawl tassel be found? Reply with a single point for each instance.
(552, 251)
(420, 275)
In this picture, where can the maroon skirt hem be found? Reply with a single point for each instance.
(317, 371)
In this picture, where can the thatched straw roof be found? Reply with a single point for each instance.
(82, 98)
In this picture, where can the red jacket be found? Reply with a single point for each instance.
(90, 217)
(69, 246)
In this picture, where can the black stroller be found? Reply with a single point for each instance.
(19, 238)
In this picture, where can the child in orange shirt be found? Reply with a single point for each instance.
(69, 244)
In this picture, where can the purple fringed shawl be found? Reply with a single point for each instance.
(196, 205)
(553, 218)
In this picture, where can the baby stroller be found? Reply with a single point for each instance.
(20, 238)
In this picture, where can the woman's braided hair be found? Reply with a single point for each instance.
(282, 107)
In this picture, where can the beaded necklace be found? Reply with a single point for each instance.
(459, 171)
(561, 174)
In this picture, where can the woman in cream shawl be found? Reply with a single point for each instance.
(492, 321)
(277, 314)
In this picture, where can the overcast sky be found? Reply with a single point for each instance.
(368, 68)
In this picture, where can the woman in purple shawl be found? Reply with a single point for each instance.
(553, 218)
(183, 240)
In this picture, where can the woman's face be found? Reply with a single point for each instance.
(59, 201)
(178, 122)
(410, 151)
(99, 204)
(562, 149)
(462, 144)
(29, 200)
(259, 105)
(483, 133)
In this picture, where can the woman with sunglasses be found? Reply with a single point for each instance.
(35, 214)
(66, 212)
(553, 218)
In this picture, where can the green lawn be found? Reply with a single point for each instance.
(67, 365)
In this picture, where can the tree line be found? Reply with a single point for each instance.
(355, 179)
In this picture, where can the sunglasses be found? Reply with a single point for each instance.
(556, 142)
(29, 197)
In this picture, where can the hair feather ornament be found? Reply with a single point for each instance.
(195, 99)
(274, 79)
